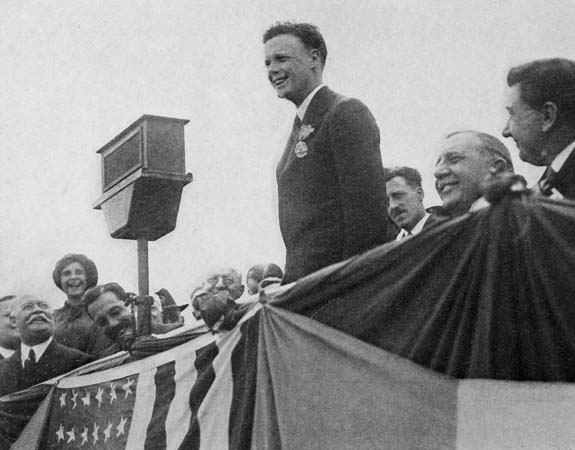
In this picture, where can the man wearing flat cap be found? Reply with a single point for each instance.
(171, 313)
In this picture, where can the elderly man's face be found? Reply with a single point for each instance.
(33, 319)
(9, 336)
(226, 279)
(110, 313)
(460, 172)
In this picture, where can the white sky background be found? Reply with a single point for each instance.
(74, 73)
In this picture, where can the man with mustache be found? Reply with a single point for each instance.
(106, 304)
(468, 162)
(405, 202)
(331, 190)
(39, 357)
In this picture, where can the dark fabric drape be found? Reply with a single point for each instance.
(16, 410)
(486, 295)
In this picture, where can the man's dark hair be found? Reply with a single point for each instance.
(92, 294)
(306, 32)
(547, 80)
(411, 175)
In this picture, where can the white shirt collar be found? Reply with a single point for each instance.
(562, 157)
(39, 350)
(302, 109)
(415, 230)
(6, 352)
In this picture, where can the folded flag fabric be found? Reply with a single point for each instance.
(282, 381)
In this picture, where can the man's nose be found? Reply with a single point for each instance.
(440, 170)
(506, 133)
(220, 283)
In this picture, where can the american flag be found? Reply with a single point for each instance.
(179, 399)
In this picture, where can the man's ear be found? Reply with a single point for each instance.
(315, 55)
(499, 165)
(549, 111)
(420, 193)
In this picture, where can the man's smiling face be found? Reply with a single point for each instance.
(460, 171)
(292, 68)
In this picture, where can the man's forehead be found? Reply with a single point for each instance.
(464, 143)
(513, 96)
(223, 272)
(397, 184)
(283, 43)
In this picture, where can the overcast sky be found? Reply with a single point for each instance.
(74, 73)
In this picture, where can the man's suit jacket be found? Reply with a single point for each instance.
(56, 360)
(564, 180)
(332, 201)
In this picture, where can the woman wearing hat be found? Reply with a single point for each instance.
(74, 274)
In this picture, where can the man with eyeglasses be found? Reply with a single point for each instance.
(215, 300)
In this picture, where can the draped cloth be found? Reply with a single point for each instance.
(486, 295)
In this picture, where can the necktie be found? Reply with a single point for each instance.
(31, 359)
(547, 183)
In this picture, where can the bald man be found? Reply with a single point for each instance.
(468, 162)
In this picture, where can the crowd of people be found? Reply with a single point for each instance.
(38, 343)
(335, 200)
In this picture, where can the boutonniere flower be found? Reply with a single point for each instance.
(304, 132)
(301, 147)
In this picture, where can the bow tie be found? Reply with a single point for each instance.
(547, 183)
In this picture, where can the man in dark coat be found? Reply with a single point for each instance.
(541, 107)
(331, 189)
(39, 357)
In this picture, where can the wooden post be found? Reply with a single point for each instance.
(144, 303)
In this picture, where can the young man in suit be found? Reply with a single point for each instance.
(405, 202)
(9, 336)
(39, 357)
(541, 107)
(468, 162)
(331, 189)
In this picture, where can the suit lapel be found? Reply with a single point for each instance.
(564, 179)
(314, 115)
(14, 374)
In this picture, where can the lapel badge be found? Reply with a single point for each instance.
(304, 132)
(301, 149)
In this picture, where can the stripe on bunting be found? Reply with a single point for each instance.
(165, 392)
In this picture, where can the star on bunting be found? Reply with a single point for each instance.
(121, 427)
(84, 435)
(99, 396)
(60, 433)
(71, 435)
(127, 387)
(107, 432)
(113, 392)
(63, 399)
(95, 433)
(86, 399)
(74, 395)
